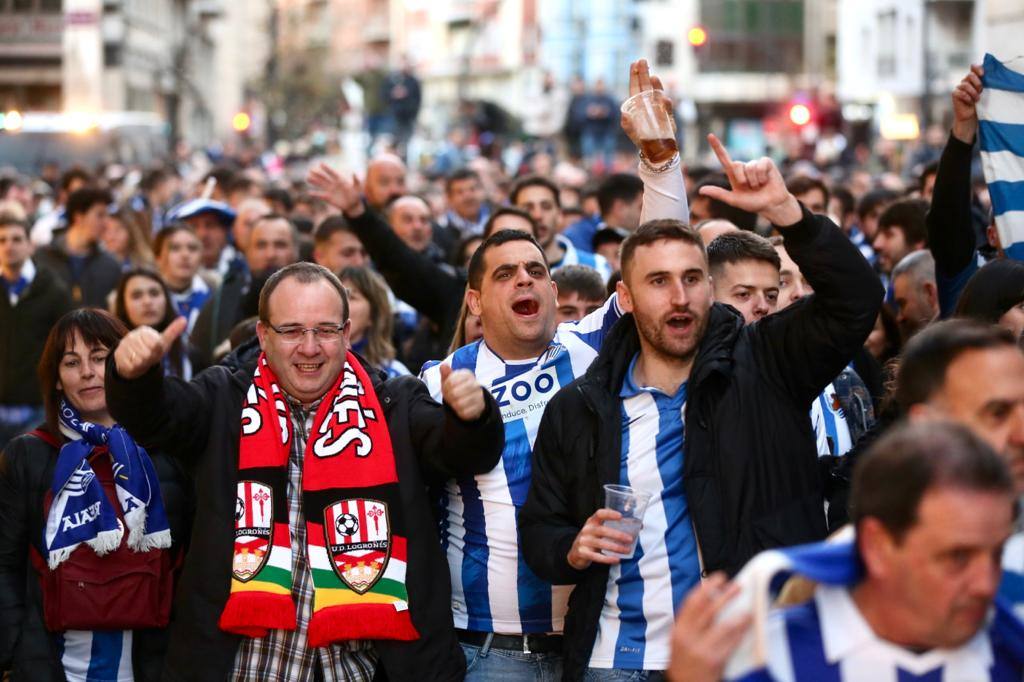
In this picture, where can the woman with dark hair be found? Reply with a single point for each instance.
(995, 294)
(142, 298)
(372, 322)
(86, 556)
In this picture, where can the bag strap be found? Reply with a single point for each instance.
(45, 436)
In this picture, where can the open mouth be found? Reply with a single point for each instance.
(308, 367)
(526, 307)
(680, 322)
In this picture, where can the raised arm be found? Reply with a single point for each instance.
(664, 187)
(160, 412)
(805, 346)
(413, 277)
(950, 232)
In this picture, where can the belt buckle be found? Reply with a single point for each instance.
(526, 644)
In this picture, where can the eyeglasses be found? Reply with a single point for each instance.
(322, 333)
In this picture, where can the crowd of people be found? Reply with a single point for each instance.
(338, 429)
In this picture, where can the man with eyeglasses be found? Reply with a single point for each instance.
(336, 565)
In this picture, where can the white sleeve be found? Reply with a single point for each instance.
(664, 194)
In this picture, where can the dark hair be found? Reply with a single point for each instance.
(240, 183)
(928, 355)
(177, 352)
(81, 200)
(845, 198)
(655, 231)
(304, 273)
(68, 177)
(152, 178)
(995, 288)
(459, 252)
(909, 216)
(280, 196)
(224, 177)
(580, 279)
(745, 220)
(167, 232)
(618, 187)
(508, 210)
(534, 181)
(872, 199)
(476, 263)
(11, 220)
(913, 459)
(931, 168)
(458, 175)
(330, 226)
(96, 327)
(893, 338)
(736, 246)
(802, 184)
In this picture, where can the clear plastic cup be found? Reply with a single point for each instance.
(632, 504)
(651, 116)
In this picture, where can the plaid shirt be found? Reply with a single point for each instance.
(283, 654)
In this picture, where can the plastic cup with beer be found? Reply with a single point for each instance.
(632, 504)
(651, 117)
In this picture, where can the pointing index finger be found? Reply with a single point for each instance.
(723, 157)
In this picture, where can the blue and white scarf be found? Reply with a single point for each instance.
(80, 511)
(1001, 128)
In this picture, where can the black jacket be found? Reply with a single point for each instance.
(235, 299)
(200, 423)
(26, 647)
(23, 331)
(750, 470)
(98, 277)
(434, 290)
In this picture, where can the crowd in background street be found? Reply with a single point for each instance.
(264, 354)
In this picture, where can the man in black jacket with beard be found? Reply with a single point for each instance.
(303, 331)
(706, 414)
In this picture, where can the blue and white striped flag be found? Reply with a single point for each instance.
(1001, 124)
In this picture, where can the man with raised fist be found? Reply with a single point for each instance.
(312, 473)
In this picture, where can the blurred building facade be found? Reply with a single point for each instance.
(185, 60)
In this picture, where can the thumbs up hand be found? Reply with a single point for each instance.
(144, 347)
(461, 392)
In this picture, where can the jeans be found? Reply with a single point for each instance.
(612, 675)
(484, 664)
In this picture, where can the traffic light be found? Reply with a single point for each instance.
(799, 114)
(697, 36)
(241, 122)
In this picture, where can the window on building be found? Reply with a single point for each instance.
(112, 55)
(22, 5)
(752, 35)
(887, 42)
(50, 6)
(664, 53)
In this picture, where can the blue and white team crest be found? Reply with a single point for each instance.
(358, 538)
(254, 522)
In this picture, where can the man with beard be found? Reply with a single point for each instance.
(707, 414)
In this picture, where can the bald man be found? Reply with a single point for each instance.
(714, 227)
(385, 180)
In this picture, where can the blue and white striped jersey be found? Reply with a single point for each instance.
(493, 590)
(1001, 130)
(828, 640)
(574, 256)
(634, 631)
(831, 432)
(96, 655)
(1011, 589)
